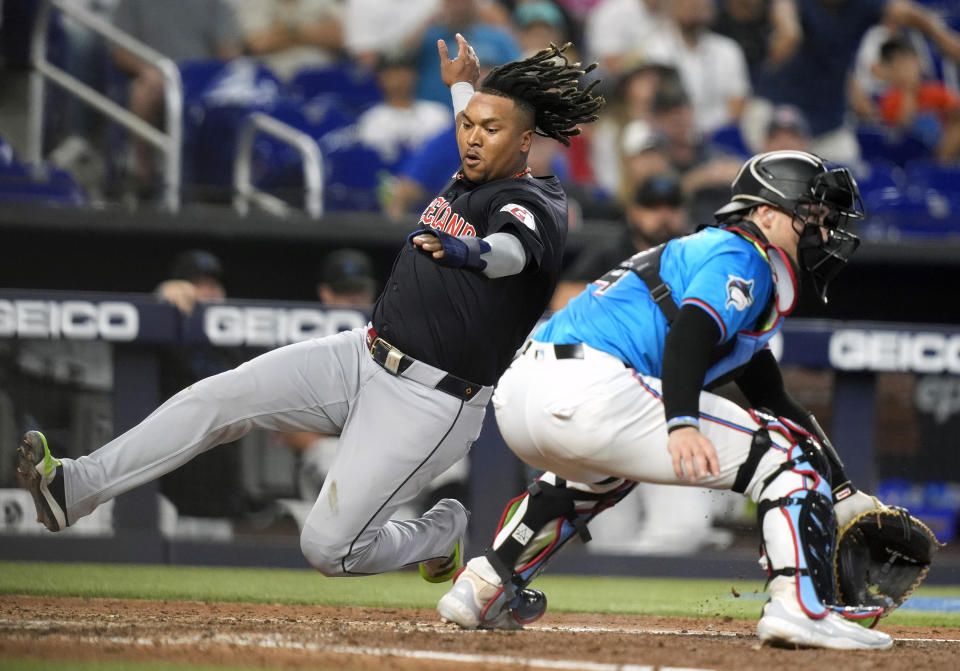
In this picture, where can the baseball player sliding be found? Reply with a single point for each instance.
(614, 389)
(407, 394)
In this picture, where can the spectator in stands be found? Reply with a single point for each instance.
(712, 67)
(767, 31)
(540, 23)
(579, 10)
(396, 27)
(706, 173)
(787, 130)
(493, 44)
(616, 29)
(83, 57)
(820, 68)
(180, 30)
(401, 124)
(927, 108)
(631, 100)
(196, 276)
(421, 175)
(645, 152)
(656, 213)
(346, 278)
(288, 35)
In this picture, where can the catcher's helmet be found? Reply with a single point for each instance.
(800, 184)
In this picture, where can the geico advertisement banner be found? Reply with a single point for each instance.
(115, 321)
(891, 351)
(232, 325)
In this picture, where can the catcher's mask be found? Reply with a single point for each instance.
(821, 199)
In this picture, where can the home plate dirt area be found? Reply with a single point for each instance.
(299, 637)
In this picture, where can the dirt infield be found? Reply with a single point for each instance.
(294, 637)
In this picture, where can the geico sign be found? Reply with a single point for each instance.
(74, 320)
(270, 327)
(853, 349)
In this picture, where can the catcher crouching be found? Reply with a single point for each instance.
(616, 389)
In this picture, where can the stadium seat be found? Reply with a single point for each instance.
(880, 143)
(729, 139)
(57, 187)
(18, 183)
(944, 178)
(218, 97)
(873, 178)
(351, 174)
(914, 211)
(8, 160)
(352, 85)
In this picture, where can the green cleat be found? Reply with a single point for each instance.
(444, 568)
(39, 471)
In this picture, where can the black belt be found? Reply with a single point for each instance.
(395, 362)
(572, 351)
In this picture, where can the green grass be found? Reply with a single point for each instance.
(640, 596)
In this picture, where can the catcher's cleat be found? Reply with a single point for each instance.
(784, 626)
(471, 601)
(40, 473)
(442, 569)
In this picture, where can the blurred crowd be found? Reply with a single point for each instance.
(693, 86)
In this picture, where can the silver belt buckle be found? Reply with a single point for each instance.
(392, 362)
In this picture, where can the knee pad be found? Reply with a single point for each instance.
(762, 441)
(798, 523)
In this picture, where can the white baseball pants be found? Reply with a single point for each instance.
(589, 419)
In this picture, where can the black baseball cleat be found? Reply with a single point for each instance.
(41, 475)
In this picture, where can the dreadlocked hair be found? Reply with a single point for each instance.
(548, 85)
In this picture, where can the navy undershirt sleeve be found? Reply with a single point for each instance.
(762, 384)
(686, 358)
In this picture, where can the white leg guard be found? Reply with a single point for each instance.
(798, 523)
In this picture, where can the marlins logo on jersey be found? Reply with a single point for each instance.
(739, 293)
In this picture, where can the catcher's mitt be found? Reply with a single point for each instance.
(882, 556)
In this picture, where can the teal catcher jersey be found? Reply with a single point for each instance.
(722, 272)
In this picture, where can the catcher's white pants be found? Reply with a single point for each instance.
(588, 419)
(396, 435)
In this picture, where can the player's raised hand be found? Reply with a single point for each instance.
(693, 454)
(464, 68)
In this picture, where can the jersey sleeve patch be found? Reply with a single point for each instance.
(521, 213)
(739, 293)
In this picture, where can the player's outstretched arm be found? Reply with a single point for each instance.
(497, 255)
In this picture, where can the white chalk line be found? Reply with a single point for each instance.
(432, 627)
(278, 641)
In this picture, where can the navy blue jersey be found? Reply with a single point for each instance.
(722, 272)
(461, 320)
